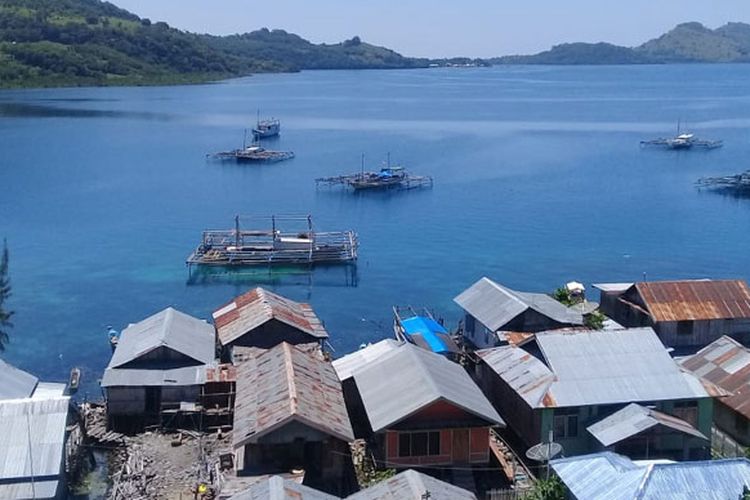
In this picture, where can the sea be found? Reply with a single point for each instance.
(539, 179)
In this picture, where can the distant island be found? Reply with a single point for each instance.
(46, 43)
(89, 42)
(686, 43)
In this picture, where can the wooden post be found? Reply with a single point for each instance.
(237, 230)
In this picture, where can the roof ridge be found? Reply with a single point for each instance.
(641, 490)
(166, 325)
(414, 353)
(289, 368)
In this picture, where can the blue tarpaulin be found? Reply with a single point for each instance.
(430, 330)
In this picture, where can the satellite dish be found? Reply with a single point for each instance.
(544, 452)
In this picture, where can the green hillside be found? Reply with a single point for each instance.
(688, 42)
(89, 42)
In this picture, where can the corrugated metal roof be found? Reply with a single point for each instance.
(346, 365)
(725, 363)
(634, 419)
(398, 384)
(606, 367)
(33, 432)
(15, 383)
(26, 490)
(258, 306)
(139, 377)
(494, 305)
(169, 328)
(412, 485)
(524, 373)
(278, 488)
(594, 367)
(286, 384)
(608, 476)
(600, 476)
(612, 287)
(695, 299)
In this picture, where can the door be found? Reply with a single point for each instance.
(153, 400)
(461, 445)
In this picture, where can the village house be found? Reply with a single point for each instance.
(406, 485)
(726, 363)
(615, 477)
(492, 309)
(158, 366)
(685, 314)
(34, 417)
(263, 319)
(416, 407)
(580, 383)
(290, 414)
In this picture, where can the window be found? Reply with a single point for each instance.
(684, 328)
(418, 444)
(566, 424)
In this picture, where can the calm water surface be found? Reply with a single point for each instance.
(539, 179)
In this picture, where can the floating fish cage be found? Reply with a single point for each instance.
(387, 178)
(268, 244)
(739, 183)
(255, 154)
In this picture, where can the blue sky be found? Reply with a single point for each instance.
(434, 28)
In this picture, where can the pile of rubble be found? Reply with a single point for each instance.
(157, 465)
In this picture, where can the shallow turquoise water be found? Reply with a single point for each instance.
(539, 179)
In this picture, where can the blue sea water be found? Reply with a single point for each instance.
(539, 179)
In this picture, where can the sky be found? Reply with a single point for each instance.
(443, 28)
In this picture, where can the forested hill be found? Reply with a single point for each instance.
(686, 43)
(90, 42)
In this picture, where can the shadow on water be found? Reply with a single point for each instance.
(320, 275)
(24, 110)
(726, 192)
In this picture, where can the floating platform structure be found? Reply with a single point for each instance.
(739, 183)
(389, 177)
(268, 244)
(255, 153)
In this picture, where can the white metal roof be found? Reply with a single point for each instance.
(169, 328)
(412, 485)
(138, 377)
(634, 419)
(15, 383)
(33, 433)
(593, 367)
(407, 379)
(608, 476)
(494, 305)
(347, 365)
(278, 488)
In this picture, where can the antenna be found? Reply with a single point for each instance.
(244, 140)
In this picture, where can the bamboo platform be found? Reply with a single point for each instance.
(388, 178)
(272, 246)
(739, 183)
(253, 154)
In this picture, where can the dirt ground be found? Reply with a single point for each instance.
(166, 465)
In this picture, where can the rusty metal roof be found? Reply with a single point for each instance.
(692, 300)
(725, 363)
(525, 374)
(286, 384)
(258, 306)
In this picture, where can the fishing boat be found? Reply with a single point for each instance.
(388, 177)
(266, 128)
(74, 380)
(268, 244)
(422, 330)
(682, 141)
